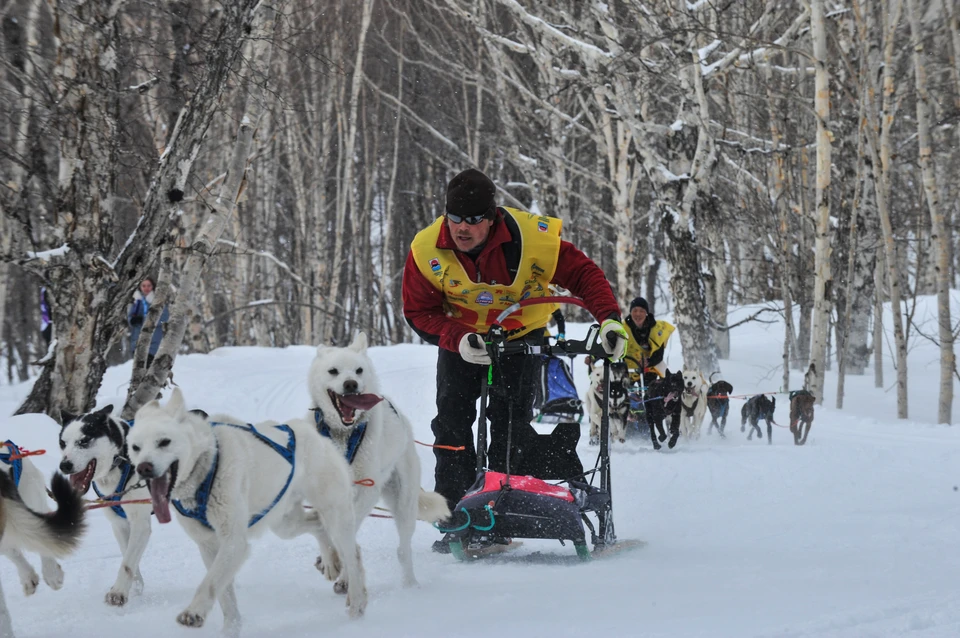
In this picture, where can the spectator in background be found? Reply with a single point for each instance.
(46, 325)
(142, 300)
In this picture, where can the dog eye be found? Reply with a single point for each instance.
(63, 446)
(333, 371)
(135, 448)
(163, 443)
(83, 443)
(359, 370)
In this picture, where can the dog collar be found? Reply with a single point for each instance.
(16, 465)
(356, 436)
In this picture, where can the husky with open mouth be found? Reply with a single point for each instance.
(376, 439)
(93, 449)
(230, 481)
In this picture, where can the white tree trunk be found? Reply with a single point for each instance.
(939, 232)
(823, 279)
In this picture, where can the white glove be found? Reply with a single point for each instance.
(474, 354)
(613, 338)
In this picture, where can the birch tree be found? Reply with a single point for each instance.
(939, 231)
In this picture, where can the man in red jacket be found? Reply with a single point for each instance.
(462, 271)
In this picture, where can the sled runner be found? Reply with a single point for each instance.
(502, 506)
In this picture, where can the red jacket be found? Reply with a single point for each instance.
(423, 303)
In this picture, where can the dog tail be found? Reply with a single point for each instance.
(431, 507)
(52, 534)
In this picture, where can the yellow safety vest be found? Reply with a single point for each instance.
(477, 305)
(659, 333)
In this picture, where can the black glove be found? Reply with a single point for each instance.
(136, 320)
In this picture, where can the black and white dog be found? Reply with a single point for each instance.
(618, 406)
(93, 449)
(662, 402)
(758, 407)
(28, 481)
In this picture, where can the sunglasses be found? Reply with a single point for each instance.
(472, 220)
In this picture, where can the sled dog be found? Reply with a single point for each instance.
(801, 414)
(693, 403)
(48, 534)
(93, 449)
(718, 402)
(756, 408)
(376, 439)
(29, 482)
(619, 404)
(230, 481)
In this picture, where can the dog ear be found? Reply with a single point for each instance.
(176, 405)
(105, 410)
(66, 418)
(359, 342)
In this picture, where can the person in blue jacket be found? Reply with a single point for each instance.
(142, 300)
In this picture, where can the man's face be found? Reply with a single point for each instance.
(146, 287)
(639, 315)
(467, 237)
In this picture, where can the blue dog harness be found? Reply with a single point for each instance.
(199, 513)
(16, 464)
(353, 443)
(125, 475)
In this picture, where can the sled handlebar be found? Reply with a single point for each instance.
(497, 345)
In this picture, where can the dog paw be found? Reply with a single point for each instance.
(30, 584)
(662, 437)
(52, 574)
(340, 587)
(656, 446)
(190, 619)
(329, 567)
(115, 598)
(594, 440)
(357, 603)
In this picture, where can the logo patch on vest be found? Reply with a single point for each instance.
(435, 265)
(484, 298)
(453, 282)
(543, 227)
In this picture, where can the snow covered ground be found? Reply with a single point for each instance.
(854, 535)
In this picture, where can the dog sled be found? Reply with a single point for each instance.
(503, 506)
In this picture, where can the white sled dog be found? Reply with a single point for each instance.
(231, 481)
(28, 481)
(48, 534)
(376, 439)
(693, 403)
(93, 453)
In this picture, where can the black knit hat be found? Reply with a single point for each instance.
(471, 193)
(640, 302)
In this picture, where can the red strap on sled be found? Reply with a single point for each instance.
(493, 481)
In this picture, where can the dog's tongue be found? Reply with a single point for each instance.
(159, 494)
(360, 401)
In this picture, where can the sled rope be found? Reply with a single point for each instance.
(492, 521)
(23, 453)
(444, 530)
(452, 448)
(97, 504)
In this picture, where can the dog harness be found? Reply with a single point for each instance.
(356, 437)
(199, 513)
(125, 474)
(16, 465)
